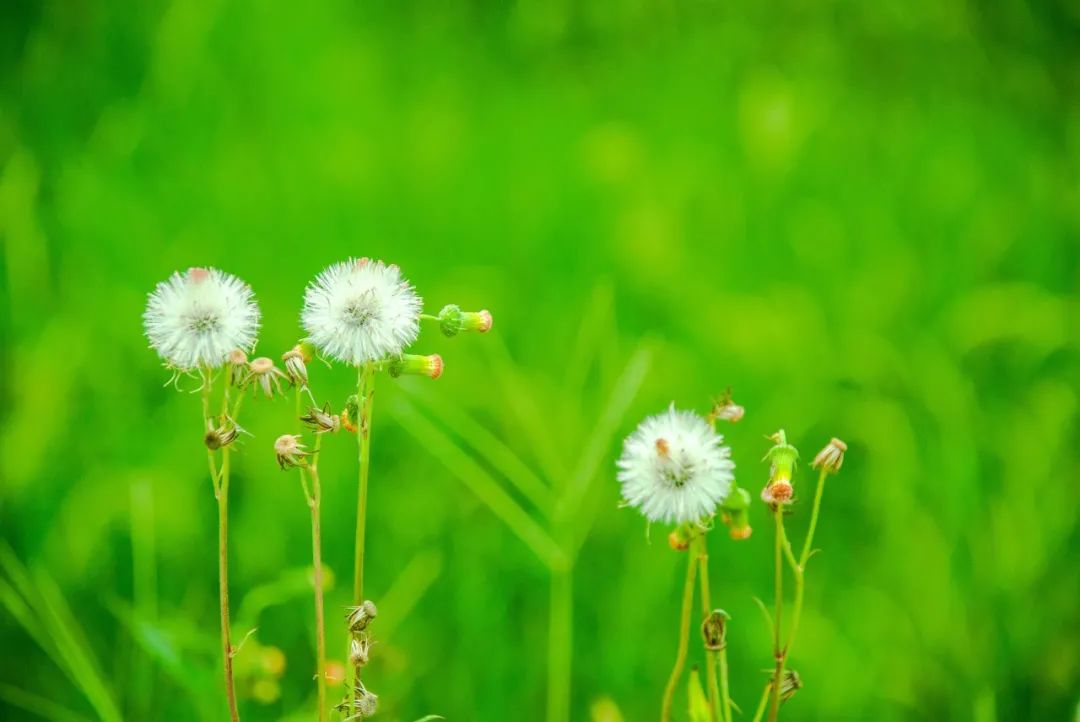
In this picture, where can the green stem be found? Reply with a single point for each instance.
(800, 568)
(762, 704)
(725, 694)
(220, 479)
(699, 549)
(314, 501)
(778, 653)
(560, 633)
(684, 640)
(365, 394)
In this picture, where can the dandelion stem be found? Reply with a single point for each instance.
(365, 393)
(314, 500)
(684, 640)
(778, 652)
(763, 703)
(700, 550)
(560, 631)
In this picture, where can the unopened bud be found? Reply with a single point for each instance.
(734, 513)
(360, 617)
(321, 420)
(831, 458)
(290, 452)
(411, 364)
(781, 457)
(452, 320)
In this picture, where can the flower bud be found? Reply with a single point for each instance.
(734, 513)
(411, 364)
(290, 452)
(263, 371)
(713, 629)
(295, 360)
(321, 420)
(782, 457)
(452, 320)
(360, 617)
(831, 458)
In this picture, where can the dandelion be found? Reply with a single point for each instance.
(361, 311)
(831, 458)
(675, 468)
(197, 318)
(295, 360)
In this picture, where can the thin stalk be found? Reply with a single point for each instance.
(560, 631)
(778, 652)
(799, 569)
(700, 550)
(314, 501)
(220, 479)
(725, 694)
(763, 703)
(684, 640)
(365, 394)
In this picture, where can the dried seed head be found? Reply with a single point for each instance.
(831, 458)
(410, 364)
(713, 629)
(360, 617)
(237, 366)
(367, 704)
(290, 452)
(358, 651)
(268, 376)
(452, 320)
(222, 435)
(296, 366)
(790, 683)
(725, 409)
(321, 420)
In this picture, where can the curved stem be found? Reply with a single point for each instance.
(365, 395)
(800, 568)
(762, 704)
(684, 640)
(699, 549)
(778, 653)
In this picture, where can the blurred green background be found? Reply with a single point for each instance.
(862, 216)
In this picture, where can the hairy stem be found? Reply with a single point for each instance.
(699, 549)
(365, 396)
(684, 640)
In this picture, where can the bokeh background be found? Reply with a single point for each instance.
(861, 216)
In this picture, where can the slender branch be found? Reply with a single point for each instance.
(684, 640)
(560, 633)
(763, 703)
(699, 549)
(800, 568)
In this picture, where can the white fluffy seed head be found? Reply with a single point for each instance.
(360, 311)
(197, 318)
(674, 468)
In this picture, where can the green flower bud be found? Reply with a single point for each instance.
(411, 364)
(452, 320)
(734, 513)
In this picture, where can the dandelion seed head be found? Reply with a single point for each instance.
(674, 468)
(199, 317)
(360, 311)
